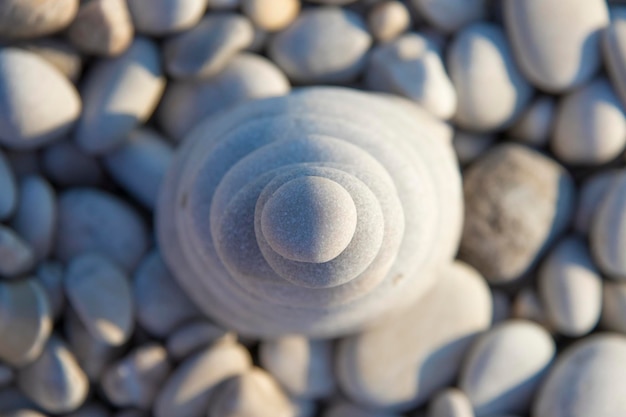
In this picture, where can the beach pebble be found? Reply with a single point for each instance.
(100, 293)
(135, 380)
(427, 351)
(140, 164)
(590, 194)
(119, 94)
(51, 275)
(614, 49)
(188, 391)
(571, 288)
(324, 45)
(303, 367)
(205, 50)
(608, 230)
(517, 202)
(16, 255)
(491, 92)
(470, 145)
(59, 53)
(588, 379)
(505, 366)
(613, 306)
(40, 105)
(195, 336)
(528, 306)
(271, 15)
(411, 66)
(8, 188)
(90, 409)
(347, 409)
(246, 77)
(102, 27)
(54, 381)
(68, 166)
(26, 321)
(91, 220)
(451, 15)
(557, 47)
(387, 20)
(163, 17)
(7, 375)
(32, 18)
(36, 217)
(501, 306)
(590, 125)
(253, 393)
(161, 305)
(450, 402)
(535, 124)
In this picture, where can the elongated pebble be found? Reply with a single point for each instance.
(51, 274)
(101, 295)
(162, 17)
(557, 47)
(119, 94)
(54, 381)
(140, 164)
(68, 166)
(26, 122)
(491, 91)
(32, 18)
(451, 15)
(450, 402)
(8, 188)
(36, 217)
(613, 306)
(161, 305)
(187, 392)
(505, 366)
(535, 124)
(92, 220)
(16, 255)
(195, 336)
(614, 50)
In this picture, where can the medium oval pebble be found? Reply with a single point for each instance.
(54, 381)
(33, 18)
(39, 103)
(323, 45)
(490, 89)
(187, 392)
(451, 402)
(8, 188)
(590, 126)
(557, 47)
(451, 15)
(16, 255)
(119, 94)
(196, 336)
(101, 296)
(161, 17)
(571, 288)
(535, 124)
(92, 220)
(588, 379)
(505, 366)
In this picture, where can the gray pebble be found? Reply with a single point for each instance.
(54, 381)
(36, 217)
(33, 18)
(590, 125)
(25, 122)
(119, 94)
(16, 255)
(557, 47)
(450, 402)
(591, 193)
(102, 27)
(187, 392)
(534, 126)
(303, 367)
(140, 164)
(68, 166)
(57, 52)
(517, 202)
(7, 375)
(491, 92)
(24, 163)
(161, 305)
(13, 400)
(323, 45)
(387, 20)
(451, 15)
(8, 188)
(162, 17)
(51, 274)
(613, 306)
(195, 336)
(469, 146)
(100, 293)
(503, 369)
(571, 288)
(246, 77)
(588, 379)
(135, 380)
(92, 220)
(614, 49)
(205, 50)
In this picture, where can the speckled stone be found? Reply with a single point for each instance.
(162, 17)
(8, 188)
(517, 202)
(586, 380)
(16, 255)
(205, 50)
(323, 45)
(557, 47)
(33, 18)
(25, 122)
(536, 123)
(591, 193)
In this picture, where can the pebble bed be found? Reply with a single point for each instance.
(96, 96)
